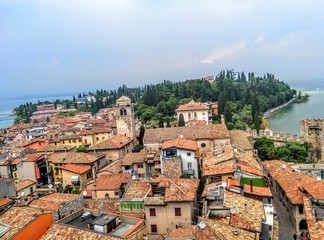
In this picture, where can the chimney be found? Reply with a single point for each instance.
(251, 188)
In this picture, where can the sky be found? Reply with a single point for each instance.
(62, 46)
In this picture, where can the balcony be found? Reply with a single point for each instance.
(190, 172)
(172, 157)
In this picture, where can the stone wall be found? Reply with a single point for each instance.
(70, 207)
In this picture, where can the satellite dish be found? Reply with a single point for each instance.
(22, 194)
(202, 225)
(233, 210)
(283, 166)
(50, 185)
(133, 177)
(268, 165)
(181, 136)
(224, 184)
(172, 188)
(318, 178)
(84, 193)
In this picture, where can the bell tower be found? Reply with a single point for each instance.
(125, 119)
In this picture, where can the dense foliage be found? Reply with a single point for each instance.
(290, 152)
(241, 99)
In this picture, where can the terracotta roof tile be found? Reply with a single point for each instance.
(315, 190)
(112, 168)
(76, 168)
(224, 154)
(315, 227)
(240, 139)
(18, 218)
(225, 231)
(246, 158)
(249, 212)
(60, 232)
(111, 182)
(192, 105)
(291, 181)
(115, 142)
(72, 157)
(182, 233)
(137, 189)
(53, 202)
(259, 191)
(24, 184)
(4, 201)
(95, 130)
(34, 157)
(131, 158)
(180, 143)
(219, 169)
(211, 131)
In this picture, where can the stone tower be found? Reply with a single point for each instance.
(311, 131)
(125, 119)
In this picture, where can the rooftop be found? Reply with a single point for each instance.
(115, 142)
(60, 231)
(192, 105)
(111, 182)
(290, 180)
(76, 168)
(72, 157)
(112, 168)
(137, 189)
(53, 202)
(315, 228)
(95, 130)
(211, 131)
(249, 212)
(133, 157)
(180, 143)
(240, 139)
(24, 184)
(18, 218)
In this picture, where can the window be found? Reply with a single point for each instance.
(70, 141)
(153, 228)
(301, 209)
(74, 141)
(189, 115)
(189, 165)
(123, 112)
(97, 139)
(103, 138)
(31, 189)
(203, 145)
(152, 212)
(85, 141)
(188, 154)
(63, 142)
(177, 211)
(139, 165)
(15, 175)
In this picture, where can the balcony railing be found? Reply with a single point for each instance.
(172, 158)
(192, 171)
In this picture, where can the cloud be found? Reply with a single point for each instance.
(226, 51)
(259, 39)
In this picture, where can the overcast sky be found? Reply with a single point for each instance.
(49, 46)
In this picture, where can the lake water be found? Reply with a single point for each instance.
(8, 104)
(288, 119)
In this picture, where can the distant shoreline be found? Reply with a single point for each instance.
(267, 114)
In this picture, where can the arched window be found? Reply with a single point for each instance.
(302, 225)
(123, 112)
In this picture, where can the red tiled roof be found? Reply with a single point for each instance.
(137, 189)
(131, 158)
(115, 142)
(180, 143)
(34, 157)
(24, 184)
(111, 182)
(315, 190)
(76, 168)
(95, 130)
(53, 202)
(192, 106)
(259, 191)
(4, 201)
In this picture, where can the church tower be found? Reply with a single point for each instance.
(125, 119)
